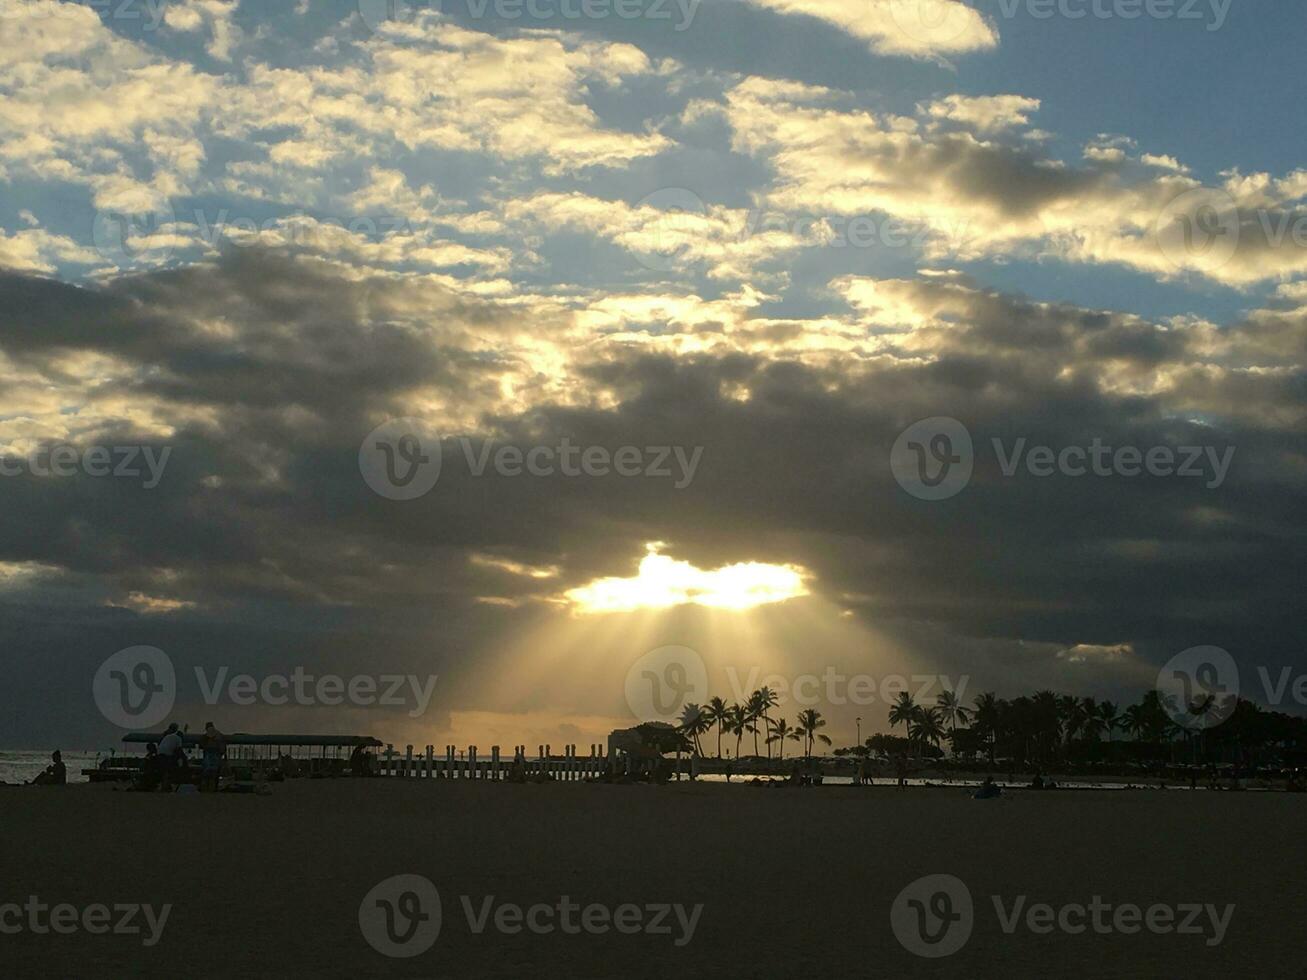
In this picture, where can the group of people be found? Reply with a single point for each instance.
(167, 766)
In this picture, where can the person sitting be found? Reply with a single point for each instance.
(55, 774)
(989, 790)
(151, 770)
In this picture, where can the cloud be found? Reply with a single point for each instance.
(37, 250)
(437, 85)
(533, 236)
(976, 192)
(214, 15)
(80, 104)
(915, 28)
(984, 113)
(671, 229)
(264, 371)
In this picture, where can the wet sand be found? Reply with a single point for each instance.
(793, 882)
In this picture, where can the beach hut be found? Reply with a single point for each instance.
(640, 750)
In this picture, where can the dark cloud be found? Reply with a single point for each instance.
(272, 371)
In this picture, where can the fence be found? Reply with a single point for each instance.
(470, 765)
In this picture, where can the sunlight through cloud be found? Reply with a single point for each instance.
(663, 582)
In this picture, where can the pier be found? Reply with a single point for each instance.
(426, 763)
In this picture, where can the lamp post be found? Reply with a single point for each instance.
(859, 721)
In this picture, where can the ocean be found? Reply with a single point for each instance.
(20, 765)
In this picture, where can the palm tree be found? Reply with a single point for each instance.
(767, 699)
(1157, 721)
(756, 710)
(738, 722)
(810, 723)
(1091, 722)
(1045, 720)
(951, 709)
(694, 721)
(902, 710)
(986, 714)
(927, 725)
(1070, 718)
(1109, 716)
(1135, 720)
(717, 714)
(780, 730)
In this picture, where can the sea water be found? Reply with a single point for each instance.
(21, 765)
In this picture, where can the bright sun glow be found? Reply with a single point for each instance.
(663, 582)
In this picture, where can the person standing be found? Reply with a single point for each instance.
(213, 744)
(172, 755)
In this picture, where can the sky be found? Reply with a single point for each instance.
(258, 260)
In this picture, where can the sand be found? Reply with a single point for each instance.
(793, 882)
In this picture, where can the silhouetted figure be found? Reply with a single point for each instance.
(55, 774)
(989, 790)
(173, 755)
(517, 771)
(360, 763)
(213, 745)
(151, 770)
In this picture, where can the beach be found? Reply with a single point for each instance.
(789, 881)
(21, 765)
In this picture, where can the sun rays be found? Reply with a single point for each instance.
(663, 582)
